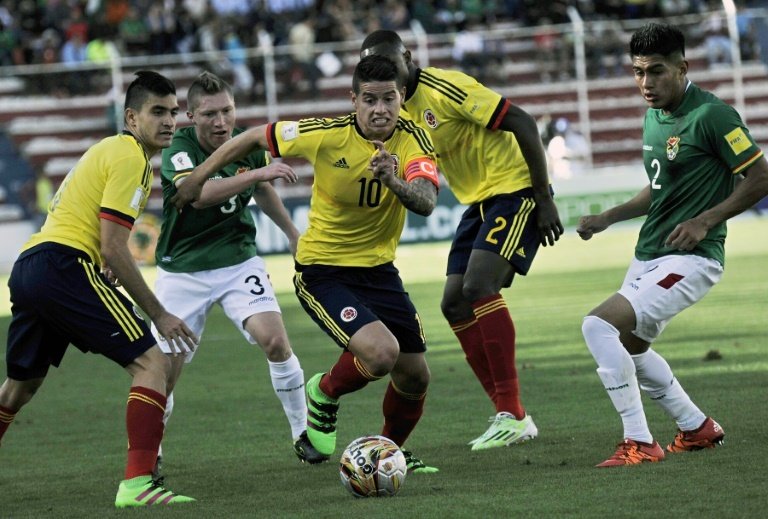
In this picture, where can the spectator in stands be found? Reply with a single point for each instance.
(9, 40)
(40, 194)
(553, 51)
(46, 52)
(468, 50)
(394, 15)
(237, 62)
(748, 43)
(76, 23)
(74, 53)
(115, 12)
(187, 25)
(161, 23)
(716, 39)
(605, 47)
(302, 39)
(133, 33)
(567, 150)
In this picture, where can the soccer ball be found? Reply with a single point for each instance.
(373, 466)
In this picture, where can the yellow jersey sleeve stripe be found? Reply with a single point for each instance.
(315, 124)
(181, 175)
(319, 310)
(751, 160)
(112, 303)
(408, 126)
(446, 88)
(518, 224)
(146, 178)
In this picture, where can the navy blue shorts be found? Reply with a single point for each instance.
(504, 224)
(58, 297)
(341, 300)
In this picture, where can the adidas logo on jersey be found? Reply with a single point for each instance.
(520, 252)
(341, 163)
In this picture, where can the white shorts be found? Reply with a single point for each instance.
(242, 290)
(662, 288)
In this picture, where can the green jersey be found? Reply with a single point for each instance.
(209, 238)
(691, 156)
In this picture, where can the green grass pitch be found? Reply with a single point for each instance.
(228, 442)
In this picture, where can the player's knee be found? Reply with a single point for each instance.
(14, 394)
(420, 380)
(475, 289)
(456, 309)
(381, 360)
(276, 348)
(153, 364)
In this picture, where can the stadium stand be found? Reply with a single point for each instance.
(52, 132)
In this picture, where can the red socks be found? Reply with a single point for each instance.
(498, 333)
(346, 376)
(402, 412)
(471, 340)
(144, 421)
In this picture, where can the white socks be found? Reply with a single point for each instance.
(288, 382)
(657, 380)
(617, 371)
(166, 416)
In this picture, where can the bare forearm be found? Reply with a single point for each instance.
(419, 196)
(637, 206)
(216, 191)
(746, 194)
(124, 267)
(524, 128)
(229, 152)
(267, 199)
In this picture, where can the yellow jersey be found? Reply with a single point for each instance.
(354, 220)
(111, 180)
(462, 116)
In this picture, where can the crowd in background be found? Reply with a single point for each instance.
(38, 31)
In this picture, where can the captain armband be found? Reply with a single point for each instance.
(422, 167)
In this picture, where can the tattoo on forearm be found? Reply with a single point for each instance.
(419, 196)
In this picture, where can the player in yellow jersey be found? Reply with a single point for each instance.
(60, 296)
(370, 166)
(490, 152)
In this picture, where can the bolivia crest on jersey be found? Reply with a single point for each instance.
(430, 119)
(673, 146)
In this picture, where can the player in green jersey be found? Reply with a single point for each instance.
(694, 148)
(370, 166)
(492, 157)
(62, 293)
(207, 254)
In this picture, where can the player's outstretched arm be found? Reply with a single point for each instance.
(266, 198)
(191, 188)
(686, 235)
(594, 223)
(220, 190)
(523, 125)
